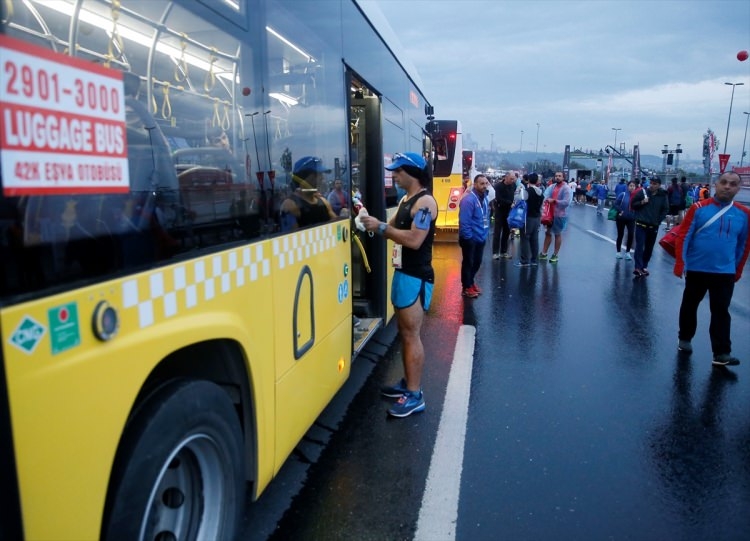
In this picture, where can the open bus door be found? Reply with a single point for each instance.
(369, 269)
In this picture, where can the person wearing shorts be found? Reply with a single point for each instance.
(559, 196)
(412, 229)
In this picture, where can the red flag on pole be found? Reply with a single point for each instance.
(723, 161)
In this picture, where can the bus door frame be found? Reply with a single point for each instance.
(373, 196)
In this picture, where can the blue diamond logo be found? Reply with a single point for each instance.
(27, 335)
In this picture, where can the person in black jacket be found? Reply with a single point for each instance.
(650, 206)
(504, 192)
(530, 233)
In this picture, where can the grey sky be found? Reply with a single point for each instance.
(655, 68)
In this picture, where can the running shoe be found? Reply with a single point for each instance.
(476, 288)
(628, 257)
(638, 273)
(395, 391)
(645, 272)
(520, 264)
(685, 346)
(470, 293)
(553, 259)
(495, 256)
(506, 255)
(542, 257)
(618, 255)
(725, 360)
(410, 402)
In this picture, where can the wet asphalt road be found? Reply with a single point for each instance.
(584, 422)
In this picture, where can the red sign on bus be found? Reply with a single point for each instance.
(63, 123)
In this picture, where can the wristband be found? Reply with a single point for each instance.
(381, 228)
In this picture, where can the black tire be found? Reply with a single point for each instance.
(179, 474)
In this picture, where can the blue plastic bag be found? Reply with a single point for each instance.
(517, 216)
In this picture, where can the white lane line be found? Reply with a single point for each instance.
(439, 512)
(600, 236)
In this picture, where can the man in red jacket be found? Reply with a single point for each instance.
(710, 252)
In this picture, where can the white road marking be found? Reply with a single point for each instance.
(439, 512)
(600, 236)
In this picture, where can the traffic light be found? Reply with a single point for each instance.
(468, 161)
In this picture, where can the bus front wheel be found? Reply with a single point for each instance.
(179, 473)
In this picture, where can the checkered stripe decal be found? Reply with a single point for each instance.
(163, 293)
(303, 245)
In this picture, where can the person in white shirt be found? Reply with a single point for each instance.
(573, 187)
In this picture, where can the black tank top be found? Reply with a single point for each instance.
(310, 213)
(417, 263)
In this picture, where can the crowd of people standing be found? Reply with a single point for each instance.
(712, 246)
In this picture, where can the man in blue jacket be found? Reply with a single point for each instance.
(711, 251)
(601, 196)
(473, 226)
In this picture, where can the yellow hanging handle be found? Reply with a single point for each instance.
(210, 81)
(181, 68)
(8, 10)
(166, 107)
(362, 251)
(115, 40)
(225, 123)
(216, 119)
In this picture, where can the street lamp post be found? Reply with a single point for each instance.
(747, 118)
(520, 148)
(730, 113)
(536, 148)
(616, 130)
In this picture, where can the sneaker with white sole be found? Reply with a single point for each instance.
(410, 402)
(618, 255)
(628, 257)
(725, 359)
(395, 391)
(469, 293)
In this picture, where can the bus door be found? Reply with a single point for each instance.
(366, 172)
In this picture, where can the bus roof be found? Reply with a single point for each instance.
(371, 10)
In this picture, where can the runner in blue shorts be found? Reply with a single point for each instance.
(406, 290)
(412, 230)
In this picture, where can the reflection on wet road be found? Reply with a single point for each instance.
(593, 426)
(584, 422)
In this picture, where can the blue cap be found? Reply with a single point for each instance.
(309, 163)
(409, 159)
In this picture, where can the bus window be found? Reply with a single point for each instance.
(188, 181)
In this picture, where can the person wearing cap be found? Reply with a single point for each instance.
(412, 230)
(306, 206)
(651, 206)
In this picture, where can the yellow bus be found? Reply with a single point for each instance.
(453, 169)
(165, 344)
